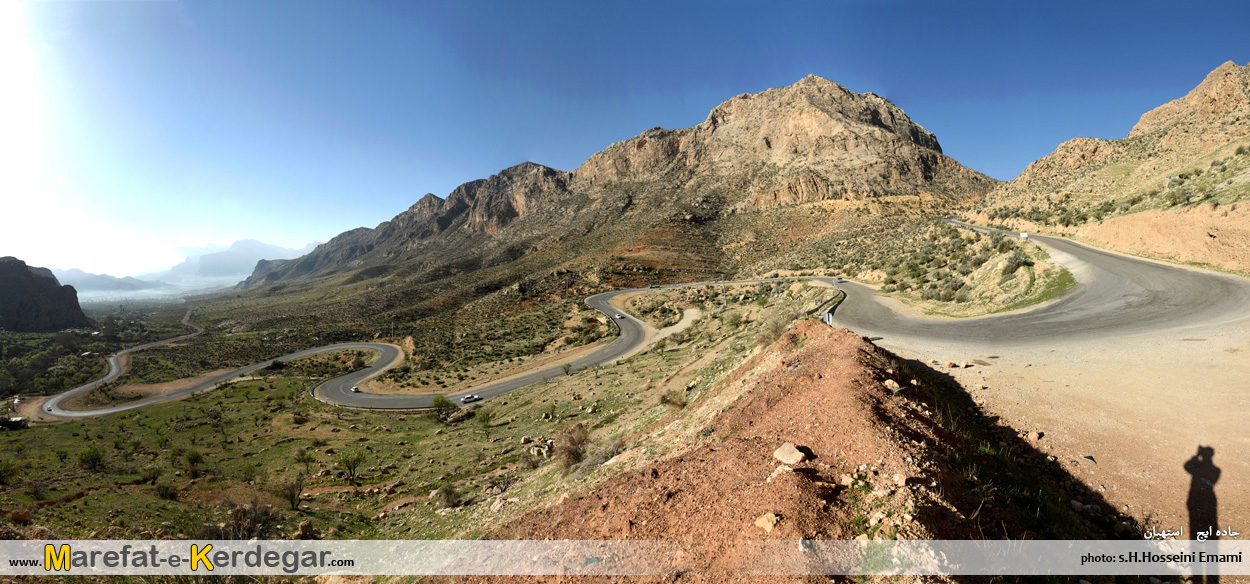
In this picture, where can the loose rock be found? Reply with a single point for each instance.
(788, 454)
(767, 522)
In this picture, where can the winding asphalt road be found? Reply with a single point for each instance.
(1115, 296)
(338, 392)
(632, 334)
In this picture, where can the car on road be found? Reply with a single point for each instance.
(355, 389)
(49, 408)
(840, 280)
(654, 286)
(468, 399)
(619, 315)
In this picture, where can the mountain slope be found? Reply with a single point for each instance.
(31, 299)
(1169, 188)
(683, 194)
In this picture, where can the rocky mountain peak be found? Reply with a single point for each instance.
(811, 140)
(1222, 96)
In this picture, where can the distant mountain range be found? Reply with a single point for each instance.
(86, 282)
(235, 262)
(206, 268)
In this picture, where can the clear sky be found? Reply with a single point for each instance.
(133, 128)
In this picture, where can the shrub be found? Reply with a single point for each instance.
(1014, 262)
(167, 492)
(8, 470)
(448, 496)
(674, 397)
(249, 521)
(601, 455)
(1241, 150)
(91, 458)
(36, 489)
(530, 461)
(774, 327)
(150, 474)
(571, 447)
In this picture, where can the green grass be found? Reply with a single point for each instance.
(1054, 288)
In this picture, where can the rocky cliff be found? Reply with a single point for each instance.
(31, 299)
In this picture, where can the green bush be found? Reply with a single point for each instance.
(91, 458)
(444, 407)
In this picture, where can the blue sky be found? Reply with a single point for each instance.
(143, 126)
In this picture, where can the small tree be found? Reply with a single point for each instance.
(304, 457)
(350, 459)
(484, 419)
(566, 368)
(291, 492)
(443, 407)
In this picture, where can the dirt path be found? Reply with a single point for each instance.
(688, 316)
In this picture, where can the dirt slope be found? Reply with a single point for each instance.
(880, 464)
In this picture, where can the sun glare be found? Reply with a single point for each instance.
(47, 219)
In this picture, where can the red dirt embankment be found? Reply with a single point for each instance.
(876, 464)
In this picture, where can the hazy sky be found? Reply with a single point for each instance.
(131, 128)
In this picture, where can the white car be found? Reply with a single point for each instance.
(620, 315)
(355, 389)
(468, 399)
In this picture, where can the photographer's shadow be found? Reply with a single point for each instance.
(1202, 504)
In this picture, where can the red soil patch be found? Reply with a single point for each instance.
(817, 387)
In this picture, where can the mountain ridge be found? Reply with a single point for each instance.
(808, 142)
